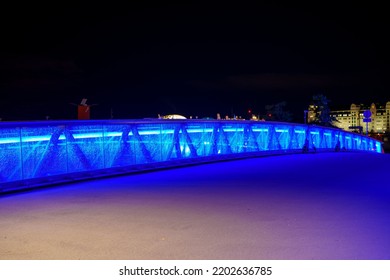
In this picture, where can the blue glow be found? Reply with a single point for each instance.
(36, 153)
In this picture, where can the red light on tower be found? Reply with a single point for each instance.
(83, 111)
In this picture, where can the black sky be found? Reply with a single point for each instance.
(200, 60)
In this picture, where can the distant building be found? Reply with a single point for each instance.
(352, 119)
(174, 117)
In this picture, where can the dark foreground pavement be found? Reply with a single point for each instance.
(307, 206)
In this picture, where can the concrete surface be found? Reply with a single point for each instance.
(307, 206)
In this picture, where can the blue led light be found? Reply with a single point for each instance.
(33, 153)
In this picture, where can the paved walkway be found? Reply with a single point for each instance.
(309, 206)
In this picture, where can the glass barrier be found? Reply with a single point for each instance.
(42, 153)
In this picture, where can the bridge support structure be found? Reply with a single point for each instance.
(51, 152)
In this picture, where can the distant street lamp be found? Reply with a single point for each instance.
(305, 112)
(367, 119)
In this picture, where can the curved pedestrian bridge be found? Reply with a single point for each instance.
(42, 153)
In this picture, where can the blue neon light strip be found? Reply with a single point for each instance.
(36, 153)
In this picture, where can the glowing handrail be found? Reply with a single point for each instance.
(48, 152)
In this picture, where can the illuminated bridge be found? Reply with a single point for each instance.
(52, 152)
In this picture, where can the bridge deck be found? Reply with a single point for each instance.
(307, 206)
(34, 154)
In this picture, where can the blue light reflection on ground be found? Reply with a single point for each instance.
(307, 206)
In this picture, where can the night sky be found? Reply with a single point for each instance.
(196, 60)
